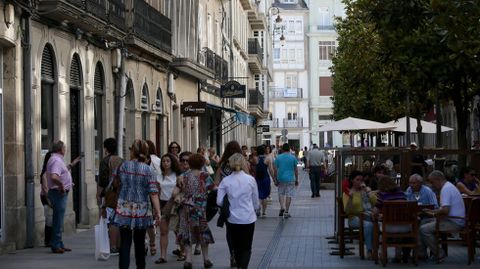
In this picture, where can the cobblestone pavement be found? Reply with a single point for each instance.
(298, 242)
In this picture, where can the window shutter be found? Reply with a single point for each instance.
(98, 83)
(75, 69)
(48, 68)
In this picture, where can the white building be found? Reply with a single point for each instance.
(288, 103)
(322, 39)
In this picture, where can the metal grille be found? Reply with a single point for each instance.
(98, 82)
(48, 67)
(75, 75)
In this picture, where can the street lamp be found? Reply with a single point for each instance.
(278, 26)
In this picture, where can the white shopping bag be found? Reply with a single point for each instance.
(102, 243)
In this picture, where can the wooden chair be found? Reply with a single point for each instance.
(346, 233)
(399, 213)
(467, 234)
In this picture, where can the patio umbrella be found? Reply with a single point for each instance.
(427, 127)
(355, 124)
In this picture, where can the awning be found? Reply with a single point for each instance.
(227, 109)
(246, 119)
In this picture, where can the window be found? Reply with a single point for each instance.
(291, 27)
(48, 75)
(283, 56)
(291, 55)
(291, 81)
(98, 88)
(324, 18)
(145, 115)
(325, 117)
(299, 56)
(292, 111)
(326, 50)
(276, 54)
(159, 101)
(298, 27)
(326, 86)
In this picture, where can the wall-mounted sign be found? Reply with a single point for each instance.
(233, 89)
(264, 128)
(193, 109)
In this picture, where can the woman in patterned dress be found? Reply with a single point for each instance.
(193, 225)
(133, 213)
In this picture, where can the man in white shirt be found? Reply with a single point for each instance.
(451, 204)
(316, 164)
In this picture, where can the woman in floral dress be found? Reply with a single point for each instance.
(133, 213)
(193, 225)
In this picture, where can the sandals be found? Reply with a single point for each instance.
(160, 260)
(153, 249)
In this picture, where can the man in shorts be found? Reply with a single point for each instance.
(285, 178)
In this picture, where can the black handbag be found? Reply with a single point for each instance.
(224, 212)
(212, 207)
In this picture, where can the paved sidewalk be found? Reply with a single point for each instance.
(298, 242)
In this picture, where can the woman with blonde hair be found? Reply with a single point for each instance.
(133, 213)
(242, 193)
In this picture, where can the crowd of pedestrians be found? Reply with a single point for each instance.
(144, 193)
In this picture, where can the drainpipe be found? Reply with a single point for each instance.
(28, 127)
(121, 104)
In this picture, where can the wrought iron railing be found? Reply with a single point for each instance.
(255, 48)
(255, 98)
(152, 26)
(273, 123)
(216, 63)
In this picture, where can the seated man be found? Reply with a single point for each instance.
(469, 184)
(419, 192)
(451, 204)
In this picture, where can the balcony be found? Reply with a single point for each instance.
(273, 123)
(255, 103)
(285, 93)
(105, 18)
(296, 123)
(149, 29)
(194, 67)
(255, 56)
(258, 20)
(215, 62)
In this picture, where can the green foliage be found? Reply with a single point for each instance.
(389, 49)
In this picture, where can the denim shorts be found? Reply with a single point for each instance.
(286, 189)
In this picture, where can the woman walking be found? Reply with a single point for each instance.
(241, 191)
(224, 170)
(133, 212)
(167, 181)
(193, 225)
(263, 170)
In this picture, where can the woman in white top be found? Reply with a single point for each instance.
(241, 190)
(167, 181)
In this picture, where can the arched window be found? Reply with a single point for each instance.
(159, 101)
(48, 76)
(98, 89)
(145, 115)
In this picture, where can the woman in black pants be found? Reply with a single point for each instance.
(242, 193)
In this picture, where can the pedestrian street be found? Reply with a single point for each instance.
(297, 242)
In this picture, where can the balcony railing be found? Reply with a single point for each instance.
(256, 98)
(273, 123)
(110, 11)
(152, 26)
(296, 123)
(281, 93)
(325, 27)
(216, 63)
(255, 48)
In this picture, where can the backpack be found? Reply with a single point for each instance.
(113, 189)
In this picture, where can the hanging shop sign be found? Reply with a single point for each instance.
(193, 109)
(233, 89)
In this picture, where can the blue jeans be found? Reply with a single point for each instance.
(59, 204)
(315, 179)
(354, 222)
